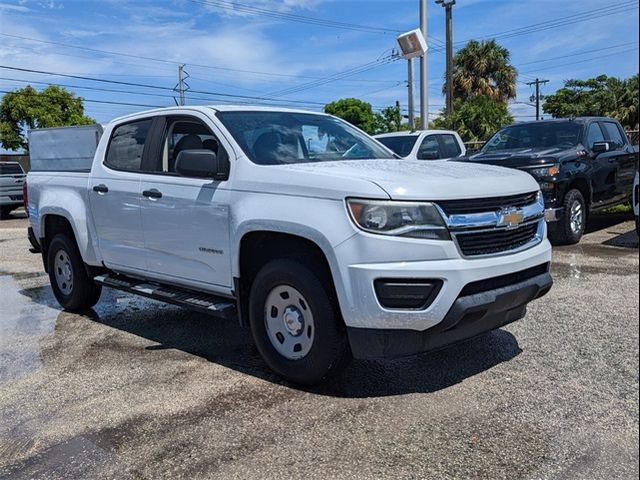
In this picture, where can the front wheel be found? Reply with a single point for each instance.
(570, 228)
(70, 283)
(295, 323)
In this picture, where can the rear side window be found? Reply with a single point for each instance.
(450, 146)
(127, 144)
(614, 133)
(10, 169)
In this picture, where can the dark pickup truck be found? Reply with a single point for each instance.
(582, 165)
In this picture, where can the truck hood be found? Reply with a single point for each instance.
(405, 179)
(523, 157)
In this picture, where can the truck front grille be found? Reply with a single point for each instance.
(487, 242)
(481, 205)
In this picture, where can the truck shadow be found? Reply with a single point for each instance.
(224, 343)
(602, 221)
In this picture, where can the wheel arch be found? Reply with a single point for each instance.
(257, 247)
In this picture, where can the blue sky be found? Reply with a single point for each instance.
(233, 52)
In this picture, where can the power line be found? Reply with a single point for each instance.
(561, 21)
(259, 11)
(105, 101)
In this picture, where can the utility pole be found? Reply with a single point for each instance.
(424, 72)
(538, 97)
(182, 85)
(412, 108)
(448, 6)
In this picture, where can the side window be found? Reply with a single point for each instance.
(614, 133)
(594, 134)
(429, 148)
(185, 134)
(127, 144)
(451, 147)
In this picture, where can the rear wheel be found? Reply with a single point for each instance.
(295, 323)
(5, 211)
(570, 228)
(70, 283)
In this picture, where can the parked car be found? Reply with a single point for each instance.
(12, 177)
(424, 144)
(582, 165)
(299, 225)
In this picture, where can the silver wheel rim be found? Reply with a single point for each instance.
(576, 217)
(63, 272)
(289, 322)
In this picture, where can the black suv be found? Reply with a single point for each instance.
(582, 165)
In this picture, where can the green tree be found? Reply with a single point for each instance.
(483, 68)
(389, 120)
(475, 118)
(27, 108)
(354, 111)
(600, 96)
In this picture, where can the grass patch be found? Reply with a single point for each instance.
(624, 208)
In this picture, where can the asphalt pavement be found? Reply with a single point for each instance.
(139, 389)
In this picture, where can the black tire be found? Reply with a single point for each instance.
(4, 212)
(81, 292)
(562, 232)
(329, 350)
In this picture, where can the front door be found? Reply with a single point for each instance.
(603, 167)
(114, 196)
(186, 220)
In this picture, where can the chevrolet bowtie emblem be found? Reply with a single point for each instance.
(510, 218)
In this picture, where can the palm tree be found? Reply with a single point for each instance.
(483, 68)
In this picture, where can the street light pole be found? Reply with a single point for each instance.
(424, 72)
(410, 91)
(448, 6)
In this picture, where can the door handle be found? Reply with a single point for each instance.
(153, 193)
(102, 188)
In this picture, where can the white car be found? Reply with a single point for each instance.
(424, 144)
(300, 226)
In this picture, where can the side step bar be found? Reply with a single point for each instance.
(202, 302)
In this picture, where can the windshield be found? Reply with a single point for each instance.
(280, 138)
(402, 144)
(535, 135)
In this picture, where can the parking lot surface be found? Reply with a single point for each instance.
(139, 389)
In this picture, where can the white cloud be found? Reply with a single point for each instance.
(14, 8)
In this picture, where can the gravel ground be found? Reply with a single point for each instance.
(138, 389)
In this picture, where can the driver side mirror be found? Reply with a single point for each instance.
(203, 164)
(428, 155)
(601, 147)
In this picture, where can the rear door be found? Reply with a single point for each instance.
(623, 158)
(114, 193)
(186, 220)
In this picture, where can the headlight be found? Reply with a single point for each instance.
(405, 219)
(548, 171)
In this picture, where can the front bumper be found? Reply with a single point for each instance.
(469, 316)
(553, 214)
(11, 200)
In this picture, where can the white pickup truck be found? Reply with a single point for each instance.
(300, 226)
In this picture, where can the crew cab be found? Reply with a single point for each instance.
(424, 144)
(12, 177)
(582, 164)
(300, 226)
